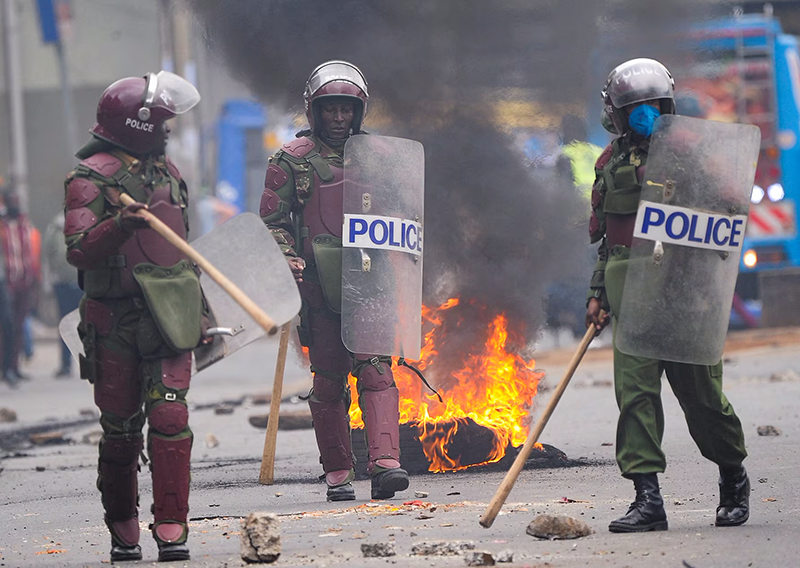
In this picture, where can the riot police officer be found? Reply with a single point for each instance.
(302, 204)
(636, 93)
(141, 311)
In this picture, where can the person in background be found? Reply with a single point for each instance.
(23, 270)
(63, 277)
(7, 339)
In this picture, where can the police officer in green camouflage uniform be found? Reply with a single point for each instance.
(142, 309)
(636, 93)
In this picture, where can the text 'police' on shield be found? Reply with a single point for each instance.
(379, 232)
(689, 227)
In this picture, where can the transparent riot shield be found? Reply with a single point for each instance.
(243, 250)
(687, 242)
(382, 236)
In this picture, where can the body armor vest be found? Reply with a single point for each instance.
(165, 200)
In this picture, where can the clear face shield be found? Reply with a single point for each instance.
(168, 91)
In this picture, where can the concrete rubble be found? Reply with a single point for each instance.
(557, 527)
(378, 550)
(260, 538)
(442, 548)
(479, 558)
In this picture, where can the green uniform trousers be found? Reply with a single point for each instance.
(712, 422)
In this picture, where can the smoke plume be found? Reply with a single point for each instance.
(497, 231)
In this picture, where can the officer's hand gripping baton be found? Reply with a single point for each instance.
(252, 309)
(511, 477)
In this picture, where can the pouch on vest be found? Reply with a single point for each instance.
(328, 258)
(174, 297)
(623, 198)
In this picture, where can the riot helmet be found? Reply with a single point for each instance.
(132, 112)
(336, 79)
(637, 81)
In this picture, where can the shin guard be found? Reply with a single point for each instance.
(332, 429)
(170, 459)
(117, 480)
(379, 400)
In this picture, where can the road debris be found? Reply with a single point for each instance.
(442, 548)
(288, 420)
(260, 399)
(45, 438)
(420, 494)
(479, 558)
(211, 441)
(7, 415)
(223, 409)
(378, 550)
(260, 538)
(768, 431)
(505, 556)
(557, 527)
(92, 438)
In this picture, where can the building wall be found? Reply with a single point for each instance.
(107, 40)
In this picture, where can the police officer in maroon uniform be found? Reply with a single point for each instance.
(142, 308)
(302, 206)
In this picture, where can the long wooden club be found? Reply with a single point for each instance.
(267, 474)
(248, 305)
(511, 477)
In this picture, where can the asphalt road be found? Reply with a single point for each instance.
(50, 513)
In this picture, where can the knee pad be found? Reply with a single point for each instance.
(328, 387)
(169, 418)
(375, 374)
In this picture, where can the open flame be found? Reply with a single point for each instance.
(488, 384)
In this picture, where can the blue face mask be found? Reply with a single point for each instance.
(642, 119)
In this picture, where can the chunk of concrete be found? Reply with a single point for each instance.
(261, 538)
(557, 527)
(378, 550)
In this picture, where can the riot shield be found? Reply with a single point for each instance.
(687, 240)
(384, 185)
(243, 250)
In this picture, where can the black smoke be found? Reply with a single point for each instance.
(497, 231)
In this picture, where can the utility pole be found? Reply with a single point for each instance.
(16, 105)
(188, 133)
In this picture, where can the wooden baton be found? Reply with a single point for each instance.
(511, 477)
(267, 474)
(248, 305)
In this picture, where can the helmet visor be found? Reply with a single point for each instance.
(171, 92)
(335, 71)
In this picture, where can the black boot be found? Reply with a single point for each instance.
(387, 482)
(734, 497)
(647, 512)
(120, 553)
(170, 551)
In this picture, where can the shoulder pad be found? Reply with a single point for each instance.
(300, 147)
(80, 192)
(173, 170)
(102, 163)
(79, 220)
(603, 159)
(276, 177)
